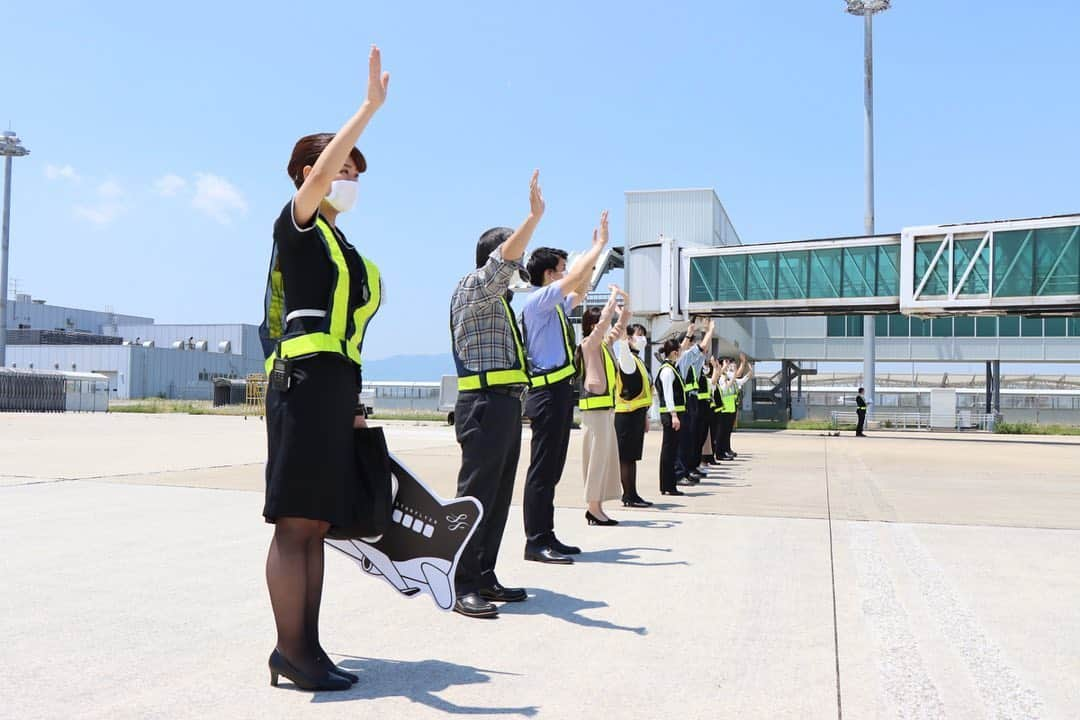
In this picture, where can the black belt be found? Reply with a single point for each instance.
(511, 390)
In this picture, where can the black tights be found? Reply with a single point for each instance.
(294, 575)
(628, 476)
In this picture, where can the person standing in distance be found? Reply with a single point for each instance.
(492, 375)
(860, 410)
(320, 296)
(550, 342)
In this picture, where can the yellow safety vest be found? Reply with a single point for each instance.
(677, 403)
(643, 400)
(607, 400)
(728, 398)
(690, 384)
(340, 332)
(470, 380)
(567, 370)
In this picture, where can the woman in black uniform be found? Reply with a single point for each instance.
(320, 296)
(671, 393)
(632, 415)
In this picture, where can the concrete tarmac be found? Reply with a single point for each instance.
(904, 575)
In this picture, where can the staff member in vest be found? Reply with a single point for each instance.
(550, 342)
(671, 394)
(632, 403)
(690, 367)
(860, 410)
(320, 295)
(732, 381)
(706, 414)
(599, 385)
(492, 375)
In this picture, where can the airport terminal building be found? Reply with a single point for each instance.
(139, 357)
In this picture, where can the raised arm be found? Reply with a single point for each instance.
(599, 331)
(514, 246)
(705, 341)
(576, 281)
(624, 314)
(317, 183)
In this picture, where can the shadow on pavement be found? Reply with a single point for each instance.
(564, 607)
(625, 556)
(417, 681)
(657, 524)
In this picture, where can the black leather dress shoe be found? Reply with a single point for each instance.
(729, 456)
(472, 605)
(684, 481)
(498, 593)
(561, 547)
(672, 492)
(548, 555)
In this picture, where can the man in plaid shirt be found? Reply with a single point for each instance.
(492, 376)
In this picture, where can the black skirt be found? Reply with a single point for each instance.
(630, 432)
(310, 456)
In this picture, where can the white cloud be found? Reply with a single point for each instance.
(169, 185)
(61, 172)
(110, 190)
(100, 214)
(109, 206)
(218, 198)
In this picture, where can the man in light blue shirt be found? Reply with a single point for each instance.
(690, 365)
(550, 342)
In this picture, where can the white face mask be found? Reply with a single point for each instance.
(730, 374)
(638, 342)
(342, 195)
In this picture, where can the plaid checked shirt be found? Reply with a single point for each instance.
(482, 336)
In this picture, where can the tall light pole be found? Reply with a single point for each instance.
(869, 8)
(10, 147)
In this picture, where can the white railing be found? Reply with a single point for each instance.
(891, 420)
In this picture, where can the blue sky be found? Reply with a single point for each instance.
(160, 132)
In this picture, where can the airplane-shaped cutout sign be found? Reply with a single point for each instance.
(418, 554)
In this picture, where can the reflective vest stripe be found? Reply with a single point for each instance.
(643, 400)
(567, 370)
(728, 399)
(509, 376)
(607, 400)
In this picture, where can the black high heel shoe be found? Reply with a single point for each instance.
(335, 670)
(593, 520)
(279, 665)
(672, 492)
(635, 502)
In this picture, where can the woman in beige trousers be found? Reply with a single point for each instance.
(599, 372)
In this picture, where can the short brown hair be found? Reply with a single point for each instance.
(308, 149)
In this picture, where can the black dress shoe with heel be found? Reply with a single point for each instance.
(672, 492)
(593, 520)
(323, 681)
(335, 670)
(635, 502)
(547, 554)
(472, 605)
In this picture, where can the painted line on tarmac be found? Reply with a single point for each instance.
(998, 684)
(832, 579)
(905, 682)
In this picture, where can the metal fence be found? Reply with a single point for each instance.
(886, 420)
(31, 392)
(255, 396)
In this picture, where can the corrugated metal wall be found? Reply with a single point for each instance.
(693, 217)
(137, 372)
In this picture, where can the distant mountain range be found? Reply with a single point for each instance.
(410, 368)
